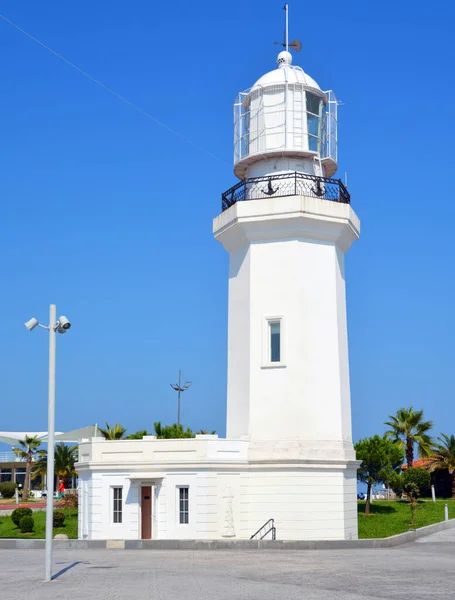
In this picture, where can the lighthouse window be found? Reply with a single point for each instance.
(313, 103)
(275, 341)
(313, 107)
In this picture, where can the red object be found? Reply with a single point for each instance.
(61, 487)
(420, 462)
(22, 505)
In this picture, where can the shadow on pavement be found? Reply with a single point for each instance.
(71, 566)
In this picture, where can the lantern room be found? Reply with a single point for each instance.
(285, 116)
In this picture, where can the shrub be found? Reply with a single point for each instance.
(59, 518)
(68, 501)
(7, 489)
(396, 483)
(420, 477)
(18, 513)
(26, 524)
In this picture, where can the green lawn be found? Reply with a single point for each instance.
(9, 530)
(392, 517)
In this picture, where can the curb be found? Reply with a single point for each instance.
(7, 512)
(390, 542)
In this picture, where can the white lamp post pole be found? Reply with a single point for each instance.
(60, 325)
(50, 442)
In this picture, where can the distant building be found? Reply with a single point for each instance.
(439, 478)
(12, 469)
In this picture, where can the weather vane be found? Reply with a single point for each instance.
(295, 44)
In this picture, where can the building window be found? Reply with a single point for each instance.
(275, 341)
(5, 475)
(19, 476)
(184, 509)
(117, 504)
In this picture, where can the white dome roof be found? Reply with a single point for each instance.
(286, 72)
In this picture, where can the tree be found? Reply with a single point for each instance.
(420, 477)
(205, 432)
(27, 451)
(138, 435)
(112, 433)
(412, 494)
(443, 457)
(173, 431)
(408, 428)
(65, 458)
(380, 459)
(396, 483)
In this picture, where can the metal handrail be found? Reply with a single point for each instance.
(286, 184)
(272, 529)
(10, 457)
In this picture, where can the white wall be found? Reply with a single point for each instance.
(293, 268)
(309, 503)
(313, 504)
(165, 464)
(237, 424)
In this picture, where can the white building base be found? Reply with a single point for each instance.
(228, 494)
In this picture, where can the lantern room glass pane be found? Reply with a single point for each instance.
(313, 125)
(313, 103)
(314, 107)
(313, 143)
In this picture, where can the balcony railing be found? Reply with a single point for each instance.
(286, 184)
(10, 457)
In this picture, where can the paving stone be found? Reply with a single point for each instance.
(422, 569)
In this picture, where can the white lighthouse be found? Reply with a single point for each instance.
(287, 226)
(287, 468)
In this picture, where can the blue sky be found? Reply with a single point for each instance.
(109, 215)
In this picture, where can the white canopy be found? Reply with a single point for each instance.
(13, 437)
(76, 435)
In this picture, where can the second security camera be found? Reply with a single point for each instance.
(63, 324)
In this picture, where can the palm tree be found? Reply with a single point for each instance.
(27, 452)
(205, 432)
(138, 435)
(158, 429)
(408, 428)
(64, 460)
(112, 433)
(174, 431)
(444, 457)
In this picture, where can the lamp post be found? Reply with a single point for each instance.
(179, 388)
(61, 325)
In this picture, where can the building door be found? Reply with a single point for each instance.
(146, 506)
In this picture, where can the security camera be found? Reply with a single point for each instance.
(31, 324)
(63, 323)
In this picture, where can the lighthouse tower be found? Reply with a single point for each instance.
(287, 225)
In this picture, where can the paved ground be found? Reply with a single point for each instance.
(420, 570)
